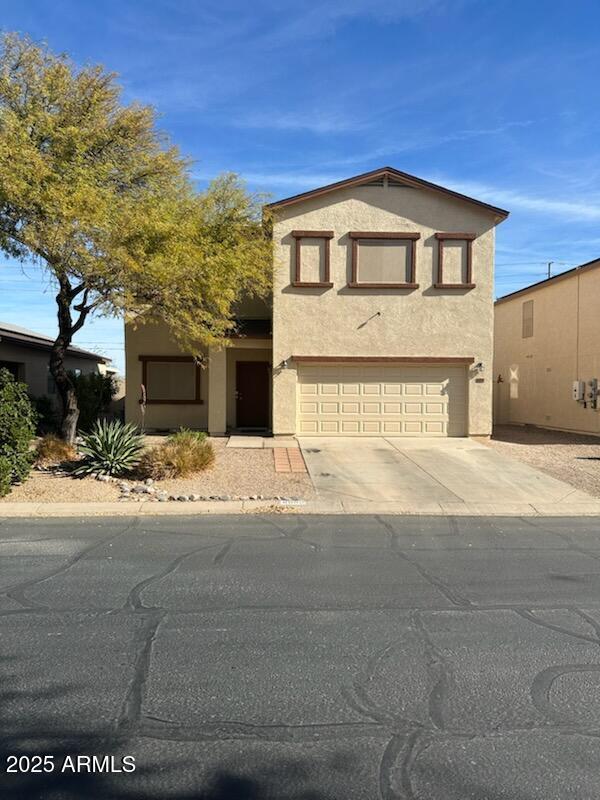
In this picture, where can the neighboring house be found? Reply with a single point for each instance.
(547, 352)
(381, 324)
(26, 354)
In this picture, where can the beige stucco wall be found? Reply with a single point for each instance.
(155, 340)
(537, 372)
(217, 383)
(35, 366)
(340, 321)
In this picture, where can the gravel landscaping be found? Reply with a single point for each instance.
(236, 473)
(571, 457)
(47, 487)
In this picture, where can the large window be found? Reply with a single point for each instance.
(383, 260)
(171, 379)
(527, 319)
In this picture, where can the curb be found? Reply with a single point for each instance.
(318, 506)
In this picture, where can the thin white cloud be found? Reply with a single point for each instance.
(306, 121)
(427, 140)
(323, 19)
(290, 180)
(327, 122)
(515, 199)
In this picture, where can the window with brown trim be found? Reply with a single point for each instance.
(455, 261)
(171, 380)
(527, 329)
(311, 266)
(383, 260)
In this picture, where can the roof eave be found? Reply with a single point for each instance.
(570, 273)
(500, 213)
(42, 344)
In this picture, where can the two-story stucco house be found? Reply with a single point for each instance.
(547, 353)
(381, 323)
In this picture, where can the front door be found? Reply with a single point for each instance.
(252, 394)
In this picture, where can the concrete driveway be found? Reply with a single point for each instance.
(430, 475)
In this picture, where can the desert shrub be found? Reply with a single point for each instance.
(187, 435)
(53, 450)
(17, 428)
(94, 394)
(48, 419)
(111, 448)
(5, 475)
(181, 455)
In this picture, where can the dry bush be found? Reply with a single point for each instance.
(179, 457)
(51, 450)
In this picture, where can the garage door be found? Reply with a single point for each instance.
(376, 400)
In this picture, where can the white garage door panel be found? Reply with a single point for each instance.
(382, 400)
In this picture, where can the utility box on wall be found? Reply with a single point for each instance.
(592, 394)
(579, 391)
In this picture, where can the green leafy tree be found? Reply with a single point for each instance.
(96, 194)
(94, 393)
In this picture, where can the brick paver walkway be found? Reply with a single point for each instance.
(288, 459)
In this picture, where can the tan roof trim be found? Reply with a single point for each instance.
(45, 344)
(365, 177)
(570, 273)
(386, 359)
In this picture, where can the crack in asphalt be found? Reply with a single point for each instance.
(452, 595)
(387, 764)
(358, 698)
(223, 730)
(530, 616)
(134, 601)
(295, 534)
(542, 686)
(440, 673)
(17, 589)
(220, 557)
(131, 708)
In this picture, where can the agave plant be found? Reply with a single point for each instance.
(111, 448)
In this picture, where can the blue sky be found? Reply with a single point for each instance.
(497, 99)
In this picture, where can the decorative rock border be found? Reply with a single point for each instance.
(150, 492)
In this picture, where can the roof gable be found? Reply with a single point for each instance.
(391, 176)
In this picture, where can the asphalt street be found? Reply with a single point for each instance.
(305, 658)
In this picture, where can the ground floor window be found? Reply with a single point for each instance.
(171, 379)
(14, 367)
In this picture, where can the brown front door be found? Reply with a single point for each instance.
(252, 394)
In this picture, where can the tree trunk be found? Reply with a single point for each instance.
(64, 385)
(66, 390)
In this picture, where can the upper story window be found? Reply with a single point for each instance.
(311, 267)
(171, 380)
(527, 319)
(383, 260)
(455, 261)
